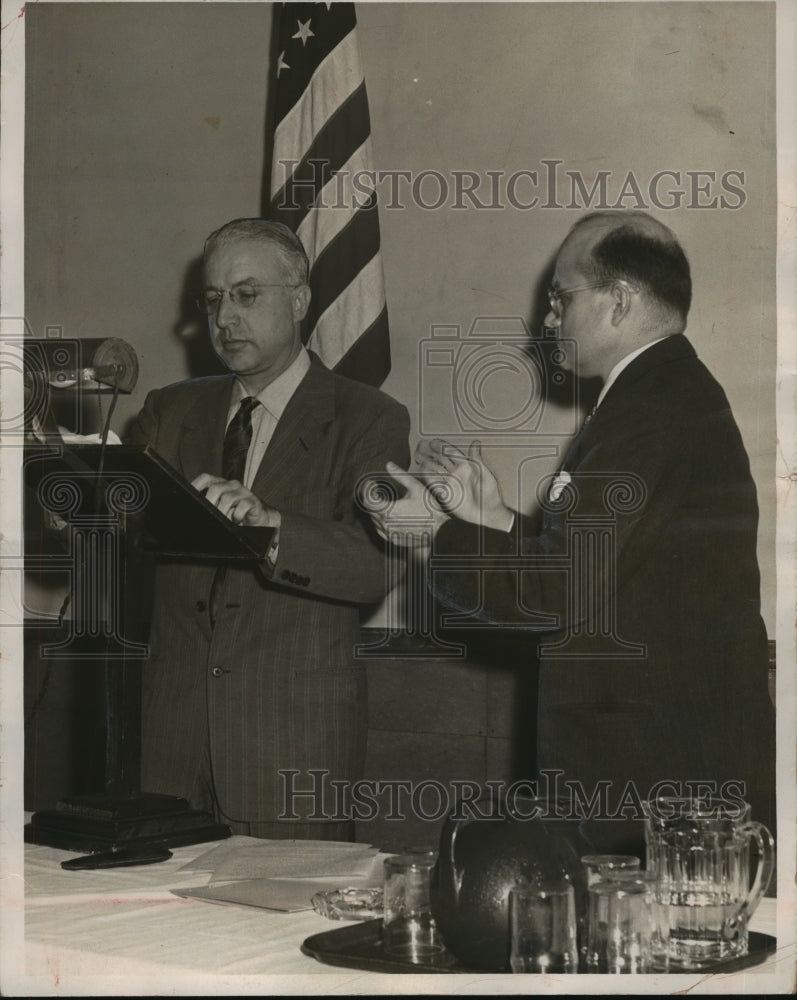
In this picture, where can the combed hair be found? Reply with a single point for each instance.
(656, 263)
(284, 240)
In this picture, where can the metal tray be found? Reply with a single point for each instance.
(359, 946)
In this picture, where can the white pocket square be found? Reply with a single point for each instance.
(561, 480)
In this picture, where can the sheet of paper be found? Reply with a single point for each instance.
(294, 858)
(270, 894)
(251, 858)
(208, 861)
(286, 895)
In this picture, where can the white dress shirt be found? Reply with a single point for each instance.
(626, 361)
(273, 400)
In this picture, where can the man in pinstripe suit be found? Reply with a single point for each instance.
(251, 669)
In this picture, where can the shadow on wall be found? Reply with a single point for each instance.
(191, 327)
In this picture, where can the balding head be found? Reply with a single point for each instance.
(637, 248)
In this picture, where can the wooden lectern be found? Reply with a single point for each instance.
(98, 493)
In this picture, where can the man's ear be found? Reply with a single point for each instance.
(622, 294)
(301, 302)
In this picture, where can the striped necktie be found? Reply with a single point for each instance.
(237, 441)
(233, 463)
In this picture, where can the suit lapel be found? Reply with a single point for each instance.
(571, 458)
(203, 431)
(293, 454)
(674, 348)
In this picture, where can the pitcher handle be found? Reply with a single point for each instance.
(447, 861)
(766, 864)
(448, 873)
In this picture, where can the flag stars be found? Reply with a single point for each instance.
(304, 31)
(281, 64)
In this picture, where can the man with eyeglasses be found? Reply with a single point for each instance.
(640, 580)
(252, 670)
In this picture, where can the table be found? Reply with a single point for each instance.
(121, 932)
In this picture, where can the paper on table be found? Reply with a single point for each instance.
(269, 894)
(207, 861)
(293, 859)
(250, 858)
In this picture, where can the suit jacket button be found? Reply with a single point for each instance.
(286, 574)
(201, 606)
(217, 671)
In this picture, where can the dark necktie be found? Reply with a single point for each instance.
(572, 450)
(237, 441)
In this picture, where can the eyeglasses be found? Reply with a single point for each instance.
(242, 295)
(555, 295)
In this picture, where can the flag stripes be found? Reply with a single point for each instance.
(359, 304)
(318, 229)
(327, 94)
(320, 154)
(349, 128)
(358, 243)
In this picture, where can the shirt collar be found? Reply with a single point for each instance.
(277, 394)
(621, 366)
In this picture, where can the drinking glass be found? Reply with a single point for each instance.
(598, 866)
(409, 930)
(626, 933)
(542, 921)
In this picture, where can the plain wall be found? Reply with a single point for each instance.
(145, 131)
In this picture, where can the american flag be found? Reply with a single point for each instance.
(321, 151)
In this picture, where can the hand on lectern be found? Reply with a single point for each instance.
(236, 502)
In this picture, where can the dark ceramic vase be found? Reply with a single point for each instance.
(493, 847)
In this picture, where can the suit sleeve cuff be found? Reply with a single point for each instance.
(457, 537)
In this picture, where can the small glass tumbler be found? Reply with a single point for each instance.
(627, 931)
(542, 921)
(600, 866)
(409, 930)
(596, 868)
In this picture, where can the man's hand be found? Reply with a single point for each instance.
(236, 502)
(464, 485)
(412, 520)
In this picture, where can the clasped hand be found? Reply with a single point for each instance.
(446, 482)
(236, 502)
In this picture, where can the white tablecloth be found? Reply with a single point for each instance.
(121, 932)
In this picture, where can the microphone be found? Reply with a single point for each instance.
(64, 378)
(86, 364)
